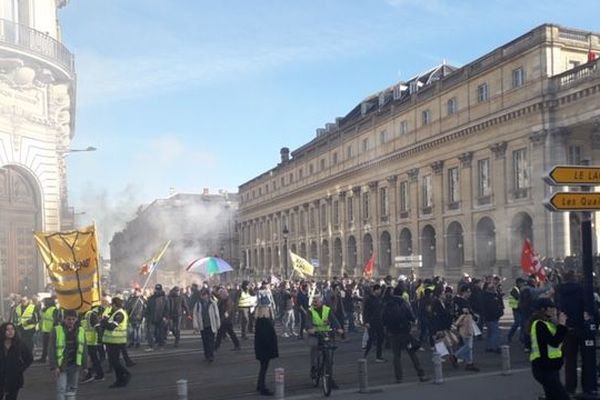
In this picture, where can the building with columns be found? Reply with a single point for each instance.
(447, 165)
(37, 108)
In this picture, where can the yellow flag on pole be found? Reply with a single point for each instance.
(71, 259)
(149, 265)
(301, 266)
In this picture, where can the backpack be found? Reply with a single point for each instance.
(263, 299)
(397, 313)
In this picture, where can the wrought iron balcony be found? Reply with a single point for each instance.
(25, 38)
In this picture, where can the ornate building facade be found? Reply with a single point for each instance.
(37, 107)
(447, 166)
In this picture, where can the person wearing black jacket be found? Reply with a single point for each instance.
(15, 358)
(397, 319)
(547, 334)
(493, 309)
(177, 309)
(302, 304)
(373, 320)
(225, 312)
(157, 315)
(569, 299)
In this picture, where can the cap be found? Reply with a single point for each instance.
(158, 286)
(544, 303)
(70, 313)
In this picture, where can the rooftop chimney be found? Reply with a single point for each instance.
(285, 155)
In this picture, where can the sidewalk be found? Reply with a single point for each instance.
(492, 386)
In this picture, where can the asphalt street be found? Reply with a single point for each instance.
(233, 374)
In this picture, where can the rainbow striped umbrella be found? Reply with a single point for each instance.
(209, 266)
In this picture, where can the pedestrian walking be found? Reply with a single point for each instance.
(115, 339)
(225, 313)
(15, 358)
(157, 317)
(177, 311)
(265, 346)
(49, 321)
(91, 327)
(513, 303)
(207, 322)
(246, 303)
(465, 325)
(547, 333)
(136, 308)
(67, 354)
(26, 319)
(493, 309)
(372, 316)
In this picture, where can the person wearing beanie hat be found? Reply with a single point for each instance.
(548, 331)
(115, 339)
(157, 315)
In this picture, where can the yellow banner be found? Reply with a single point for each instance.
(301, 266)
(71, 259)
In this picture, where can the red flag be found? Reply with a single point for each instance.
(530, 262)
(591, 56)
(369, 266)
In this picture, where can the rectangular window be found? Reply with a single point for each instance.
(403, 127)
(282, 181)
(425, 117)
(384, 202)
(518, 77)
(349, 152)
(350, 208)
(302, 223)
(383, 137)
(403, 196)
(267, 188)
(520, 170)
(427, 192)
(366, 145)
(291, 178)
(453, 185)
(312, 220)
(452, 106)
(482, 92)
(334, 159)
(274, 184)
(365, 205)
(574, 155)
(336, 212)
(311, 169)
(323, 216)
(483, 179)
(322, 163)
(300, 173)
(293, 224)
(259, 192)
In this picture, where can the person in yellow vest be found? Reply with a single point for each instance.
(246, 304)
(321, 321)
(67, 354)
(548, 331)
(26, 319)
(513, 303)
(115, 339)
(91, 325)
(49, 321)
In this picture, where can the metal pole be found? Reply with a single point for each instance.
(279, 383)
(437, 368)
(363, 376)
(506, 360)
(589, 352)
(285, 258)
(182, 392)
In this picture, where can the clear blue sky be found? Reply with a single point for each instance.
(197, 93)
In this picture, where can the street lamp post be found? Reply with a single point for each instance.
(285, 251)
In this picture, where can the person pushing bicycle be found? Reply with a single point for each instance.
(320, 321)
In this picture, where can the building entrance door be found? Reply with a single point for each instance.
(19, 217)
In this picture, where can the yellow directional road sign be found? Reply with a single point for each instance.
(574, 201)
(574, 175)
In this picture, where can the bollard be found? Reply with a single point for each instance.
(279, 383)
(506, 360)
(438, 377)
(70, 395)
(363, 376)
(182, 392)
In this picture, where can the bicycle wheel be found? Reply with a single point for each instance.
(317, 373)
(326, 381)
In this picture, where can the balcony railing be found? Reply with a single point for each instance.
(581, 72)
(26, 38)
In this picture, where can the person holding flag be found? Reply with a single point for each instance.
(369, 267)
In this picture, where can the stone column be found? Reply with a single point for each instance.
(439, 192)
(393, 215)
(343, 229)
(500, 190)
(328, 234)
(317, 206)
(466, 202)
(374, 223)
(415, 205)
(357, 228)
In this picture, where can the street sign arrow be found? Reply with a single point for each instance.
(574, 175)
(574, 201)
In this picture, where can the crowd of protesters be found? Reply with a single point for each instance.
(408, 314)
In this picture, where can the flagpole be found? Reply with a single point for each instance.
(98, 266)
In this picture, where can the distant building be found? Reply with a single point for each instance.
(447, 166)
(198, 225)
(37, 119)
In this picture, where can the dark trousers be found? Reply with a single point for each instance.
(302, 314)
(156, 333)
(208, 343)
(94, 354)
(227, 329)
(114, 358)
(175, 327)
(573, 344)
(45, 343)
(262, 373)
(27, 337)
(375, 335)
(9, 394)
(399, 342)
(245, 322)
(550, 380)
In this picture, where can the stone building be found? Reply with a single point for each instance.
(37, 108)
(198, 225)
(447, 165)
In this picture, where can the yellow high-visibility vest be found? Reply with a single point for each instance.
(48, 319)
(553, 352)
(245, 300)
(61, 345)
(91, 335)
(512, 302)
(119, 334)
(320, 322)
(24, 315)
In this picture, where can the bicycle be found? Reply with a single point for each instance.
(324, 370)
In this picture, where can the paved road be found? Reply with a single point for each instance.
(233, 374)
